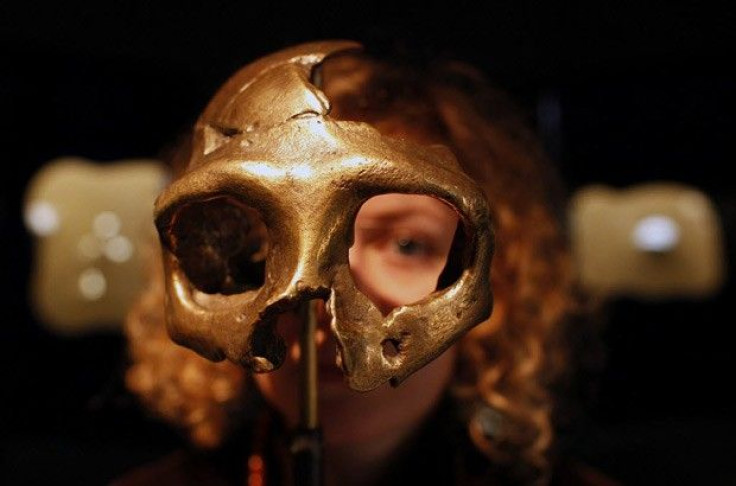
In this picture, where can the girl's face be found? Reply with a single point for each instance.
(400, 248)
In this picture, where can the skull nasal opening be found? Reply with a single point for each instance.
(221, 245)
(294, 317)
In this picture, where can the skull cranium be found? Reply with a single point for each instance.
(262, 220)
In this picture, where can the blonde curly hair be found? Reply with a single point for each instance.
(507, 363)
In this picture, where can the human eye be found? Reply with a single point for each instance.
(411, 246)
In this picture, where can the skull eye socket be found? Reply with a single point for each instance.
(221, 245)
(405, 247)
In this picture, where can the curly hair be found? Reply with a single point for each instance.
(508, 363)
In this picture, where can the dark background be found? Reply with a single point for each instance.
(643, 93)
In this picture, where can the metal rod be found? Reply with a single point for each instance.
(308, 366)
(306, 444)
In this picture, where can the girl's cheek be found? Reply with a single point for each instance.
(389, 286)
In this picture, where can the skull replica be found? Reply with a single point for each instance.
(262, 221)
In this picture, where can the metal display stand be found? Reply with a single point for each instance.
(306, 445)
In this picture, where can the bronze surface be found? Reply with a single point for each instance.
(266, 144)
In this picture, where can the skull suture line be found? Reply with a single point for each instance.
(262, 219)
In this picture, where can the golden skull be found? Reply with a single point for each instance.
(262, 220)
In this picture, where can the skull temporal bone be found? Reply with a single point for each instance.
(266, 142)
